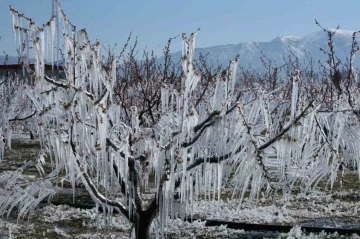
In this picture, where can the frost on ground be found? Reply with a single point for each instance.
(197, 229)
(290, 211)
(296, 233)
(89, 217)
(66, 222)
(12, 228)
(180, 229)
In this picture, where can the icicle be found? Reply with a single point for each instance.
(232, 75)
(51, 33)
(27, 47)
(219, 177)
(42, 54)
(295, 93)
(13, 17)
(9, 137)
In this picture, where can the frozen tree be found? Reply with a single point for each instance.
(16, 112)
(139, 82)
(254, 141)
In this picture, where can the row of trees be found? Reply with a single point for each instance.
(109, 125)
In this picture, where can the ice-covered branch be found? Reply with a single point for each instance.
(212, 159)
(205, 124)
(259, 157)
(328, 142)
(102, 198)
(23, 118)
(96, 102)
(287, 128)
(68, 86)
(219, 158)
(209, 118)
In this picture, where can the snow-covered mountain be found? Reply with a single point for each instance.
(278, 48)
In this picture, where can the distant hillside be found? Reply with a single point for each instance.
(250, 52)
(11, 60)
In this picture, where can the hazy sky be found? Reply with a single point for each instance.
(154, 21)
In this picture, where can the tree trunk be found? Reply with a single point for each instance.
(31, 135)
(144, 220)
(142, 227)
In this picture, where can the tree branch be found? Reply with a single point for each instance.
(286, 129)
(25, 118)
(101, 197)
(217, 159)
(91, 96)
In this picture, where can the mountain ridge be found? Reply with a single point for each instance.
(276, 49)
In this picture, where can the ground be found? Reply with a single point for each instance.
(337, 208)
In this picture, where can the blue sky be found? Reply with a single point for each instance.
(154, 21)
